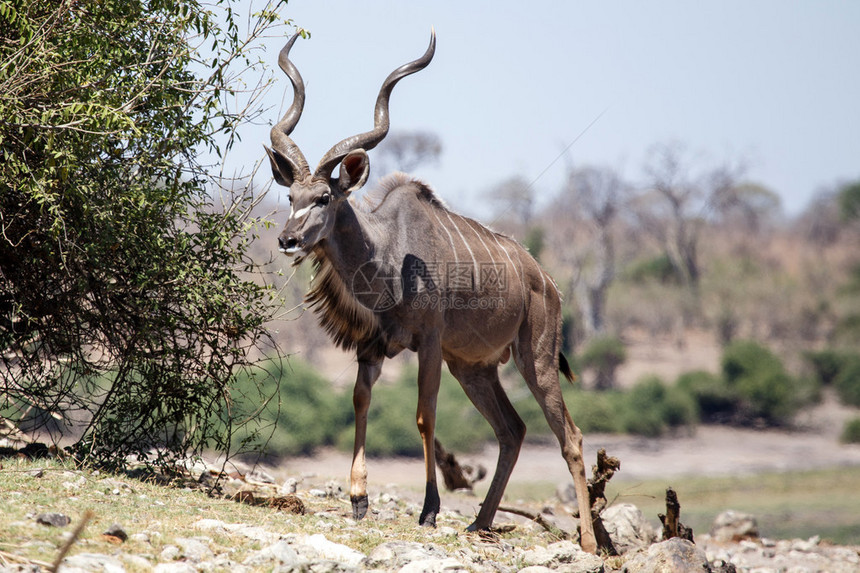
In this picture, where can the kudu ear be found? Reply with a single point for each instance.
(282, 169)
(354, 170)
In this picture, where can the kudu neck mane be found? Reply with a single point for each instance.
(344, 318)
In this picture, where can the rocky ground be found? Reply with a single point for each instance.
(327, 542)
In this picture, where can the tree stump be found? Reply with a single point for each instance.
(672, 526)
(602, 472)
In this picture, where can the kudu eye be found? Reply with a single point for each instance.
(324, 199)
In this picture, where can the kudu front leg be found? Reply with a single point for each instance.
(368, 372)
(429, 376)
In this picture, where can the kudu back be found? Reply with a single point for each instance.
(399, 270)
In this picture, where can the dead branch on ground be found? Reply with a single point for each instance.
(454, 475)
(540, 520)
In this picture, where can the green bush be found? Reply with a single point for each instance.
(298, 409)
(851, 432)
(658, 268)
(746, 358)
(847, 381)
(591, 411)
(767, 393)
(716, 402)
(650, 408)
(826, 364)
(840, 369)
(594, 411)
(680, 410)
(604, 355)
(122, 257)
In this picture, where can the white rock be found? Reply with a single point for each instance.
(676, 554)
(731, 525)
(175, 567)
(93, 562)
(806, 545)
(449, 564)
(395, 554)
(321, 547)
(289, 487)
(194, 550)
(169, 553)
(136, 562)
(280, 554)
(627, 527)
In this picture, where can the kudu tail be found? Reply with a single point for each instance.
(564, 366)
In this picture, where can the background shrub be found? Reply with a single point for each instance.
(593, 411)
(298, 409)
(391, 427)
(847, 381)
(715, 401)
(826, 364)
(651, 408)
(603, 355)
(767, 393)
(659, 269)
(851, 432)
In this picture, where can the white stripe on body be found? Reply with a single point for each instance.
(545, 317)
(450, 237)
(462, 238)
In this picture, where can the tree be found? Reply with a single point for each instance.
(849, 201)
(406, 150)
(676, 205)
(515, 203)
(747, 207)
(591, 201)
(124, 302)
(821, 222)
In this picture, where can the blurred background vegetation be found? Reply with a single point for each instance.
(692, 258)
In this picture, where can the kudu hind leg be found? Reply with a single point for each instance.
(540, 370)
(481, 384)
(368, 373)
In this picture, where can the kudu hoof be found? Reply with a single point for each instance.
(359, 506)
(428, 520)
(475, 527)
(431, 506)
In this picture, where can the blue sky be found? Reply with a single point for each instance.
(773, 83)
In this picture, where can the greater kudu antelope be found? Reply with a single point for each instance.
(401, 271)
